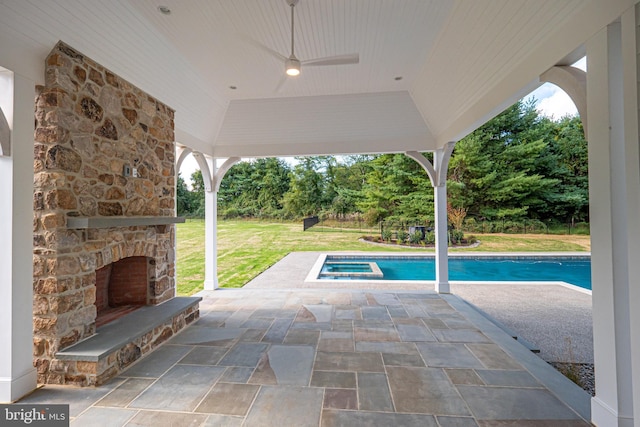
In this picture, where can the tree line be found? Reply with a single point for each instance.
(518, 165)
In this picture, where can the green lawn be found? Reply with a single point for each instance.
(247, 248)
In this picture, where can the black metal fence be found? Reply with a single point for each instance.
(470, 226)
(309, 222)
(524, 226)
(351, 223)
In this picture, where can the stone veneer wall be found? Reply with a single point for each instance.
(89, 124)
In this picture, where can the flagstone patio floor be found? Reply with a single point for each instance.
(322, 357)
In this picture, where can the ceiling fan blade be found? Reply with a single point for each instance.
(281, 83)
(262, 47)
(353, 58)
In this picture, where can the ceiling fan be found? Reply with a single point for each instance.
(292, 64)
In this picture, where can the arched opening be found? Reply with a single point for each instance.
(190, 236)
(568, 346)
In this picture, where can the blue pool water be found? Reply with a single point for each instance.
(574, 270)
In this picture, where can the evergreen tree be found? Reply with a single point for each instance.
(306, 191)
(570, 200)
(396, 186)
(272, 179)
(507, 168)
(254, 189)
(348, 179)
(518, 165)
(183, 198)
(197, 194)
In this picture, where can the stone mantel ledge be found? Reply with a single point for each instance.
(120, 221)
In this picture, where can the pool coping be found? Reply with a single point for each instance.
(313, 277)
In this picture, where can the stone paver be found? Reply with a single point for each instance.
(126, 392)
(229, 399)
(260, 357)
(296, 406)
(337, 398)
(158, 362)
(168, 419)
(373, 392)
(107, 417)
(515, 403)
(244, 354)
(180, 389)
(425, 391)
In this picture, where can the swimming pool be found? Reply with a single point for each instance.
(575, 270)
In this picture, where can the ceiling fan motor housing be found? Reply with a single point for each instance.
(292, 66)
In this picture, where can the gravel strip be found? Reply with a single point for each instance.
(555, 319)
(580, 373)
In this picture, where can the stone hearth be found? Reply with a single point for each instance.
(94, 216)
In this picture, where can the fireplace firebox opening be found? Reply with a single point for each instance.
(121, 287)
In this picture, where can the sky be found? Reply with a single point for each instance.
(551, 101)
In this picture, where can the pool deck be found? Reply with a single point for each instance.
(556, 319)
(278, 353)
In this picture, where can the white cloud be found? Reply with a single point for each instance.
(555, 104)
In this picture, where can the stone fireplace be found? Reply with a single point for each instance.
(104, 215)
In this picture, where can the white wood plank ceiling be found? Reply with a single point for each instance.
(460, 62)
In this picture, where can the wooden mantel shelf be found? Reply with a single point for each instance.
(120, 221)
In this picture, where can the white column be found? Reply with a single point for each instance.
(442, 240)
(438, 175)
(614, 183)
(211, 232)
(630, 22)
(212, 175)
(17, 374)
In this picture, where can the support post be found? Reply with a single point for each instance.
(614, 181)
(630, 22)
(442, 240)
(211, 240)
(210, 223)
(213, 178)
(438, 176)
(17, 374)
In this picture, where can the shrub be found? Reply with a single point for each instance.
(415, 237)
(430, 238)
(581, 228)
(490, 227)
(386, 235)
(456, 236)
(231, 213)
(401, 235)
(511, 227)
(536, 226)
(472, 239)
(372, 216)
(456, 216)
(470, 224)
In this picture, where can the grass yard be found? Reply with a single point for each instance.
(247, 248)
